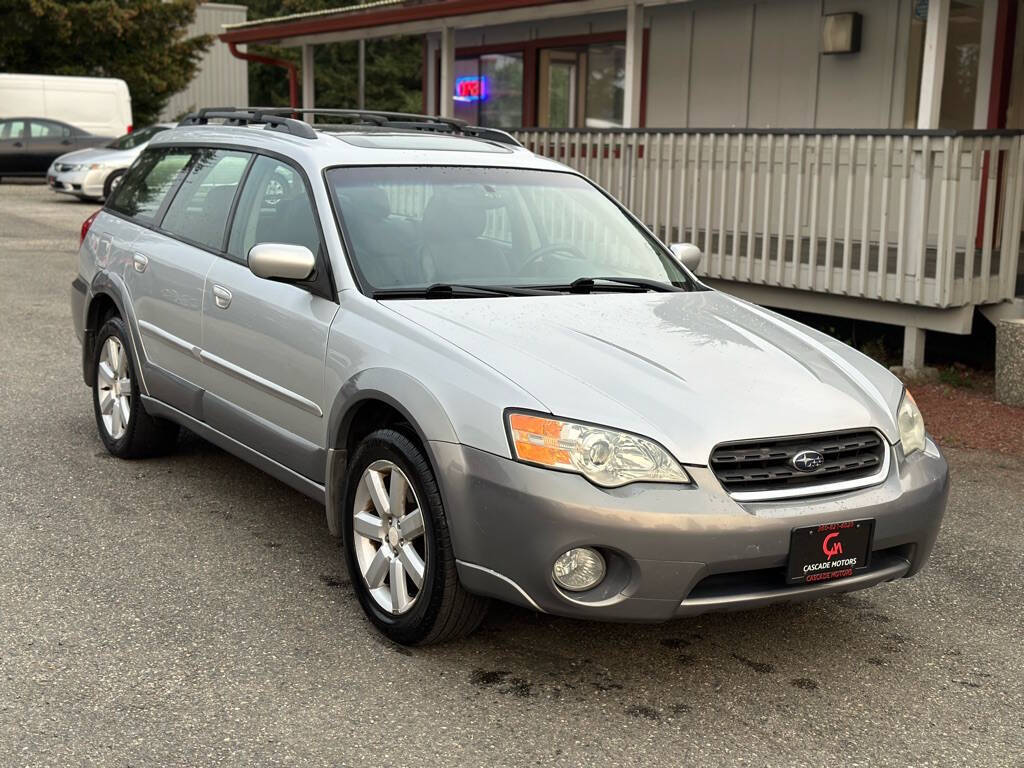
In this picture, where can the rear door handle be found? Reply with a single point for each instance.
(140, 261)
(221, 296)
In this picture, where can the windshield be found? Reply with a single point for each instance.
(413, 227)
(135, 138)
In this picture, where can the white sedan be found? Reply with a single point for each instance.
(94, 173)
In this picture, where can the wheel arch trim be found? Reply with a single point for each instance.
(112, 286)
(398, 390)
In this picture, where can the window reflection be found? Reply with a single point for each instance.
(489, 90)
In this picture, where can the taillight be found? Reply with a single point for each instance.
(85, 227)
(129, 129)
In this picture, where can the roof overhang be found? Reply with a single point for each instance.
(386, 18)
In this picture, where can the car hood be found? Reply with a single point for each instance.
(689, 370)
(115, 157)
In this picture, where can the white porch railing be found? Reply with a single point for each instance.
(929, 218)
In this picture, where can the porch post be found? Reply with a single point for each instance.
(928, 109)
(913, 348)
(990, 12)
(448, 72)
(933, 65)
(308, 101)
(634, 65)
(362, 74)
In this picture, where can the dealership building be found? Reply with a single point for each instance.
(856, 158)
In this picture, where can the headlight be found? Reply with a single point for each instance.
(911, 424)
(606, 457)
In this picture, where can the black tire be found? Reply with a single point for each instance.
(144, 435)
(443, 610)
(108, 185)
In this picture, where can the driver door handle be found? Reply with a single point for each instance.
(221, 296)
(140, 261)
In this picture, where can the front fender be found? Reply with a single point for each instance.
(402, 392)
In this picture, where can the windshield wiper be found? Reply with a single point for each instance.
(637, 284)
(457, 291)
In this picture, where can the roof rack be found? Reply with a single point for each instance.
(277, 118)
(274, 118)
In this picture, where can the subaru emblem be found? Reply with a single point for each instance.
(807, 461)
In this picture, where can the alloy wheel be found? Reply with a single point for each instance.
(114, 387)
(389, 537)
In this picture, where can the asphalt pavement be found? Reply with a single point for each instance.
(190, 610)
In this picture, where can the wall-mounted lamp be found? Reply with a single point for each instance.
(841, 33)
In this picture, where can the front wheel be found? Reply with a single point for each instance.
(112, 182)
(398, 548)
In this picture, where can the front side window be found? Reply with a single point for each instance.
(199, 211)
(412, 227)
(148, 181)
(274, 208)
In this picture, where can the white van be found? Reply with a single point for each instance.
(99, 105)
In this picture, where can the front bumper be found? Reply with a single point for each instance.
(86, 183)
(671, 550)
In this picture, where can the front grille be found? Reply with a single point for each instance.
(767, 465)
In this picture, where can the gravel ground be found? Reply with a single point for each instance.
(192, 611)
(970, 418)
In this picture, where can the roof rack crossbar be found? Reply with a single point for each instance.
(282, 118)
(273, 118)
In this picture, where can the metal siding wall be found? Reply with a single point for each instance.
(720, 66)
(668, 66)
(855, 90)
(222, 80)
(784, 74)
(755, 63)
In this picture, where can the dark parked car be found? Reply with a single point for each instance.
(28, 145)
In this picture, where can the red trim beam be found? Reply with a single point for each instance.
(369, 18)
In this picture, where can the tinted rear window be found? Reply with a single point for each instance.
(148, 181)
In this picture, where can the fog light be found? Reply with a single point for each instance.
(579, 569)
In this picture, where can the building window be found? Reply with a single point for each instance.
(960, 74)
(489, 90)
(581, 86)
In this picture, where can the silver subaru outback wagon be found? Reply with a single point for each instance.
(496, 380)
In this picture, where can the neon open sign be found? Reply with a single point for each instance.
(471, 88)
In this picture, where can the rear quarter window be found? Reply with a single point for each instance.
(148, 182)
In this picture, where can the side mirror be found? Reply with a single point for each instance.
(281, 261)
(688, 253)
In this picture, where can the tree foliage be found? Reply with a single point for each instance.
(140, 41)
(393, 66)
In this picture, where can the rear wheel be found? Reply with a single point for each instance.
(125, 428)
(398, 548)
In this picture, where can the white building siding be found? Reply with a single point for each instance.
(783, 80)
(756, 64)
(222, 79)
(747, 63)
